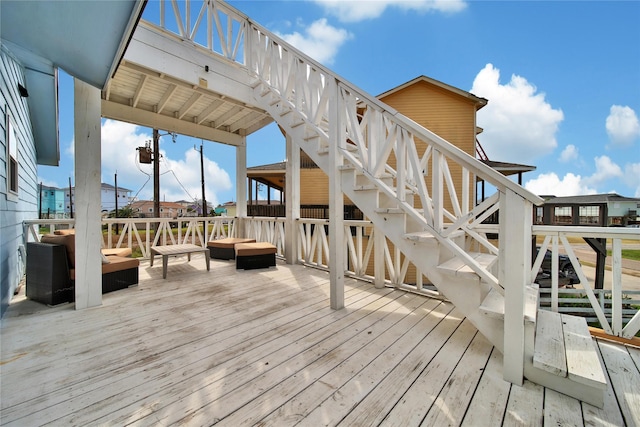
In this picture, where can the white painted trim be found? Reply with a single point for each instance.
(292, 197)
(88, 239)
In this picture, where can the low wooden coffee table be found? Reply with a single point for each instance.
(169, 250)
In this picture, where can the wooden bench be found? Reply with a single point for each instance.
(255, 255)
(225, 248)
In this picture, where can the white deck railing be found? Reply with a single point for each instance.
(557, 240)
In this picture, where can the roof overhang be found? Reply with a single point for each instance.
(85, 38)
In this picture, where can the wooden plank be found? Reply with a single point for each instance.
(373, 408)
(583, 363)
(340, 402)
(418, 399)
(625, 380)
(288, 370)
(189, 347)
(609, 415)
(524, 407)
(453, 399)
(549, 351)
(490, 397)
(561, 410)
(292, 405)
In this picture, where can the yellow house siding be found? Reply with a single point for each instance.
(314, 188)
(450, 116)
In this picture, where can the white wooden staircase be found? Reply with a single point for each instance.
(400, 175)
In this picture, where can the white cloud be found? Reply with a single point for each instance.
(622, 125)
(354, 11)
(569, 153)
(551, 184)
(519, 125)
(573, 185)
(631, 177)
(605, 170)
(119, 143)
(320, 40)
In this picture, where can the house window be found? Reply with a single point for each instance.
(12, 160)
(562, 215)
(150, 210)
(589, 215)
(539, 215)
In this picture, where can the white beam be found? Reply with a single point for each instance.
(516, 218)
(336, 205)
(167, 54)
(292, 201)
(88, 238)
(149, 119)
(241, 187)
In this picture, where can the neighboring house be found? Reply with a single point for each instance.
(144, 209)
(589, 210)
(107, 198)
(52, 203)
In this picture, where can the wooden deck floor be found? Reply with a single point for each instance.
(263, 347)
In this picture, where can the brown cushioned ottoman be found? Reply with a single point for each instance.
(255, 255)
(225, 248)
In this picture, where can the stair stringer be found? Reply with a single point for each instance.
(466, 294)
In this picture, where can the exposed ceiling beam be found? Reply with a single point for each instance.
(149, 119)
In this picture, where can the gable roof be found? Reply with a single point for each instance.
(592, 198)
(479, 102)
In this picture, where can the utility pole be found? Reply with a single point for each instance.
(156, 173)
(204, 201)
(115, 181)
(70, 199)
(40, 202)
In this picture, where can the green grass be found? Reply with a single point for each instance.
(633, 254)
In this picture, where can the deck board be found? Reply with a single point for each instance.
(262, 347)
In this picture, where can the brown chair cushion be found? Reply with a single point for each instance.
(122, 252)
(228, 242)
(65, 232)
(116, 263)
(259, 248)
(67, 240)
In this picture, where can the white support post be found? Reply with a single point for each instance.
(378, 257)
(292, 200)
(241, 187)
(88, 238)
(336, 204)
(514, 274)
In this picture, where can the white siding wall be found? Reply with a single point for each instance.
(13, 210)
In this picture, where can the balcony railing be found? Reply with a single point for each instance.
(616, 309)
(618, 317)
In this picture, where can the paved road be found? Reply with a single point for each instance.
(630, 268)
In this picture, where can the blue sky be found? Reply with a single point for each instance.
(562, 79)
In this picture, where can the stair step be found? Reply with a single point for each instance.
(493, 304)
(389, 211)
(368, 187)
(457, 266)
(426, 236)
(564, 347)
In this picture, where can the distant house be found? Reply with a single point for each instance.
(107, 198)
(144, 209)
(589, 210)
(52, 203)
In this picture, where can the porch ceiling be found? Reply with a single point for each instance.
(171, 84)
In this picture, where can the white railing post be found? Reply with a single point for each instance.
(336, 200)
(292, 199)
(515, 257)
